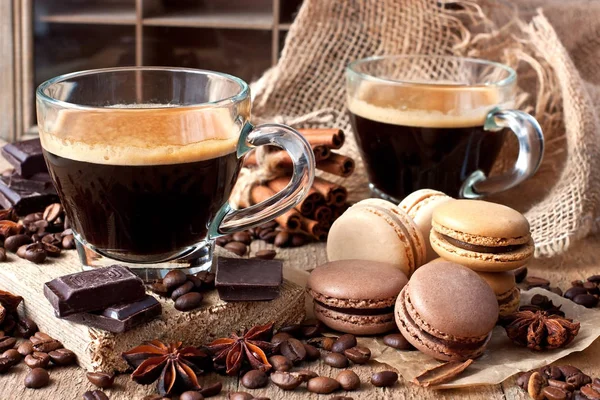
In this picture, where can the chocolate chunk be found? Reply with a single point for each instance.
(24, 201)
(248, 279)
(93, 290)
(26, 157)
(120, 318)
(40, 183)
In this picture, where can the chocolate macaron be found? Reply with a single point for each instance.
(377, 230)
(447, 311)
(356, 296)
(419, 205)
(481, 235)
(505, 288)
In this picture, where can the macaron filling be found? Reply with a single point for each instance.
(481, 249)
(358, 311)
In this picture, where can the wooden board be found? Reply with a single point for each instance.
(580, 262)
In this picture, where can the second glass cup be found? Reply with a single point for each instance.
(144, 160)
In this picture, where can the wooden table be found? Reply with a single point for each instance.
(580, 262)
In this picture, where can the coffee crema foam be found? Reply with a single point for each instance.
(427, 107)
(141, 135)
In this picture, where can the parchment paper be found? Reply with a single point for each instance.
(502, 357)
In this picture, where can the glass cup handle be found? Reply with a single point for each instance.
(531, 151)
(228, 219)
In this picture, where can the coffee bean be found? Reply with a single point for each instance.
(39, 337)
(12, 243)
(523, 380)
(269, 237)
(589, 392)
(344, 342)
(577, 283)
(51, 250)
(578, 380)
(26, 327)
(282, 239)
(243, 237)
(264, 232)
(5, 364)
(554, 393)
(336, 360)
(556, 290)
(574, 291)
(12, 355)
(223, 240)
(207, 279)
(52, 212)
(384, 378)
(181, 290)
(174, 279)
(3, 254)
(37, 378)
(191, 395)
(21, 251)
(323, 385)
(594, 278)
(286, 380)
(294, 330)
(51, 239)
(240, 396)
(551, 372)
(188, 301)
(539, 300)
(325, 342)
(591, 287)
(305, 374)
(46, 346)
(7, 342)
(312, 353)
(358, 354)
(520, 274)
(293, 349)
(348, 380)
(397, 341)
(561, 385)
(535, 281)
(30, 218)
(311, 329)
(280, 363)
(62, 357)
(298, 240)
(25, 348)
(37, 359)
(280, 337)
(341, 398)
(95, 395)
(155, 397)
(586, 300)
(101, 379)
(211, 390)
(237, 248)
(34, 252)
(255, 379)
(266, 254)
(159, 288)
(68, 242)
(536, 384)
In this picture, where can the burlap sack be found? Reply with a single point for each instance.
(306, 88)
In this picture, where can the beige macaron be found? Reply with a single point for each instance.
(505, 288)
(419, 206)
(377, 230)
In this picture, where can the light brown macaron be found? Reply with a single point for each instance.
(356, 296)
(447, 311)
(377, 230)
(483, 236)
(505, 288)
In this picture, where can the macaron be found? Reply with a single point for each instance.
(447, 311)
(483, 236)
(356, 296)
(377, 230)
(505, 288)
(419, 206)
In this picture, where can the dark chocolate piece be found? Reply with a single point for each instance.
(248, 280)
(26, 157)
(24, 195)
(122, 317)
(39, 183)
(93, 290)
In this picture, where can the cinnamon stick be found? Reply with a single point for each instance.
(330, 137)
(308, 204)
(281, 159)
(335, 195)
(337, 164)
(290, 220)
(323, 214)
(314, 228)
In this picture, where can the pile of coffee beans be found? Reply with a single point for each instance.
(559, 383)
(185, 290)
(210, 390)
(270, 232)
(36, 236)
(298, 344)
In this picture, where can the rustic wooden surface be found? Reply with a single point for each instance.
(580, 262)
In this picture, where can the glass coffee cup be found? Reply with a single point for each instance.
(438, 122)
(144, 160)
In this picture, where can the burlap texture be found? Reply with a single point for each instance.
(560, 201)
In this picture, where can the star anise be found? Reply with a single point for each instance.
(176, 368)
(539, 330)
(8, 306)
(234, 352)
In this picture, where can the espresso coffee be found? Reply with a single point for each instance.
(430, 146)
(128, 190)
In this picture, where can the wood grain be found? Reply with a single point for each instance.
(580, 262)
(8, 109)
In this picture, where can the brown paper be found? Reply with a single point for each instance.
(501, 359)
